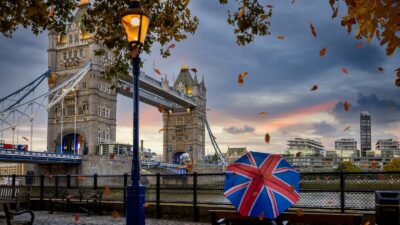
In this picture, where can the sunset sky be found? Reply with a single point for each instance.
(281, 73)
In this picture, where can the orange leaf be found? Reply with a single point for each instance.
(262, 114)
(398, 72)
(194, 70)
(346, 106)
(51, 12)
(106, 191)
(322, 52)
(261, 217)
(335, 12)
(281, 37)
(291, 189)
(75, 219)
(241, 78)
(299, 212)
(359, 45)
(344, 70)
(241, 12)
(270, 6)
(160, 108)
(313, 32)
(161, 130)
(380, 69)
(171, 46)
(367, 223)
(157, 71)
(146, 205)
(298, 154)
(347, 128)
(112, 156)
(397, 82)
(115, 214)
(267, 138)
(314, 88)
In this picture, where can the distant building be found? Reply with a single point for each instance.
(365, 133)
(304, 147)
(234, 153)
(344, 147)
(11, 168)
(389, 148)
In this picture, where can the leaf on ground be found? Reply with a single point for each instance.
(160, 108)
(314, 87)
(76, 218)
(241, 78)
(344, 70)
(241, 12)
(346, 106)
(322, 52)
(267, 138)
(171, 46)
(281, 37)
(115, 214)
(359, 45)
(380, 69)
(262, 114)
(313, 32)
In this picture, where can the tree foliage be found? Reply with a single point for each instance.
(348, 167)
(393, 165)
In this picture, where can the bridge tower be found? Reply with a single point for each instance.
(184, 129)
(87, 116)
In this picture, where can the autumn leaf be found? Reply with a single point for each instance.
(70, 196)
(322, 52)
(208, 109)
(380, 69)
(160, 108)
(171, 46)
(313, 32)
(51, 12)
(397, 82)
(76, 219)
(194, 70)
(106, 191)
(261, 216)
(299, 212)
(115, 214)
(344, 70)
(161, 130)
(398, 72)
(346, 106)
(262, 114)
(291, 189)
(241, 12)
(367, 223)
(329, 202)
(146, 205)
(112, 156)
(281, 37)
(359, 45)
(270, 6)
(267, 138)
(335, 13)
(298, 154)
(157, 71)
(347, 128)
(314, 88)
(241, 78)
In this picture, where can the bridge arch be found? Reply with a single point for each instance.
(180, 157)
(72, 142)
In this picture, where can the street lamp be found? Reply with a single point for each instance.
(135, 23)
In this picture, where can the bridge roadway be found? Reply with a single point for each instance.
(18, 156)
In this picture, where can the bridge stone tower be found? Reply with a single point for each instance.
(184, 129)
(87, 115)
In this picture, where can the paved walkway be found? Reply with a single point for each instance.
(44, 218)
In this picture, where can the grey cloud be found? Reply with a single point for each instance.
(239, 130)
(324, 129)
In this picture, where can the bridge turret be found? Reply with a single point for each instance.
(52, 50)
(165, 83)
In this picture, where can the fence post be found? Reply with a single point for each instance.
(95, 181)
(13, 185)
(195, 209)
(57, 185)
(125, 185)
(342, 201)
(158, 207)
(68, 181)
(41, 191)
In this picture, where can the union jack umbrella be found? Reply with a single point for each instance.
(261, 185)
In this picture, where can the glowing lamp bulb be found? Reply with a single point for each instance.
(135, 21)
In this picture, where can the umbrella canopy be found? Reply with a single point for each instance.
(261, 185)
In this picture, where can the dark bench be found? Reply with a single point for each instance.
(87, 200)
(230, 217)
(11, 215)
(15, 195)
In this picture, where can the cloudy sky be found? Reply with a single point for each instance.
(281, 73)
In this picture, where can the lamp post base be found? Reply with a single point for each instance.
(135, 200)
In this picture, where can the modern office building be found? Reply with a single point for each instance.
(304, 147)
(344, 147)
(365, 133)
(389, 148)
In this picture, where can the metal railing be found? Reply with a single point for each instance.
(339, 190)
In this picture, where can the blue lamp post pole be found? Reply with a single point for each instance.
(135, 23)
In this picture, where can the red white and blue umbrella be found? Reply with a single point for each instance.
(261, 185)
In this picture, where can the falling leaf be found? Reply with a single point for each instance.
(298, 154)
(335, 13)
(314, 87)
(194, 70)
(322, 52)
(51, 12)
(127, 89)
(299, 212)
(261, 217)
(161, 130)
(344, 70)
(270, 6)
(291, 189)
(241, 78)
(25, 138)
(281, 37)
(115, 214)
(367, 223)
(255, 193)
(171, 46)
(70, 196)
(329, 202)
(313, 32)
(106, 191)
(112, 156)
(346, 106)
(75, 219)
(359, 45)
(397, 82)
(241, 12)
(157, 71)
(262, 114)
(380, 69)
(267, 138)
(398, 72)
(208, 109)
(146, 205)
(347, 128)
(160, 108)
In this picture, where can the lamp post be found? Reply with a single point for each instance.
(135, 23)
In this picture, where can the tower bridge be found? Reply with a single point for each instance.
(81, 105)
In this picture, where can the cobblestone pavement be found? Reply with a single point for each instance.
(44, 218)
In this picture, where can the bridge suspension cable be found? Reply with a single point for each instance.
(221, 157)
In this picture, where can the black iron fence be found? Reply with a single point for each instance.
(341, 190)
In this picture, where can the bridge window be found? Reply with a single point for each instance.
(81, 53)
(69, 55)
(70, 39)
(75, 54)
(180, 121)
(70, 110)
(83, 85)
(76, 38)
(65, 55)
